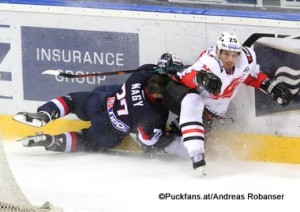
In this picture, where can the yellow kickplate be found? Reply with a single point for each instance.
(258, 147)
(12, 130)
(246, 146)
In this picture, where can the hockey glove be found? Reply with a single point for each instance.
(278, 91)
(209, 82)
(170, 63)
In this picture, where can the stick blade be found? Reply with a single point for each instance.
(52, 72)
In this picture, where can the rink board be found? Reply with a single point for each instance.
(27, 30)
(245, 146)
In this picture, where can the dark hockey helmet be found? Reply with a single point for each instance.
(170, 63)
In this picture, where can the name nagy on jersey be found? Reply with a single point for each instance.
(136, 95)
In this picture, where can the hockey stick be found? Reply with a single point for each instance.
(255, 36)
(97, 74)
(57, 72)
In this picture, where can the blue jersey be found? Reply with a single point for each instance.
(131, 110)
(115, 114)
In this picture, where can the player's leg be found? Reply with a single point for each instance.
(191, 125)
(54, 109)
(65, 142)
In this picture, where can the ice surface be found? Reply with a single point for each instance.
(88, 182)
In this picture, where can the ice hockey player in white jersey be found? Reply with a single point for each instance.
(211, 83)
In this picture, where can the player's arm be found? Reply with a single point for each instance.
(149, 136)
(274, 87)
(191, 77)
(203, 77)
(257, 79)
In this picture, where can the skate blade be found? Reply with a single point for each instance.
(28, 141)
(202, 171)
(22, 119)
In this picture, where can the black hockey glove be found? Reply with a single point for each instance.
(278, 91)
(209, 82)
(170, 63)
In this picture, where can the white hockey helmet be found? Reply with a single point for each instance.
(229, 42)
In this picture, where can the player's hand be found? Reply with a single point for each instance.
(278, 91)
(209, 82)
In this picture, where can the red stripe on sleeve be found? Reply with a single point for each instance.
(144, 135)
(188, 79)
(256, 82)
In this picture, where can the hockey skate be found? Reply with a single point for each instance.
(199, 164)
(33, 119)
(43, 140)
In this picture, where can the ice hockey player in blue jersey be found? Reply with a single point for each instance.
(136, 108)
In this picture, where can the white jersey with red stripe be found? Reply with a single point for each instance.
(245, 71)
